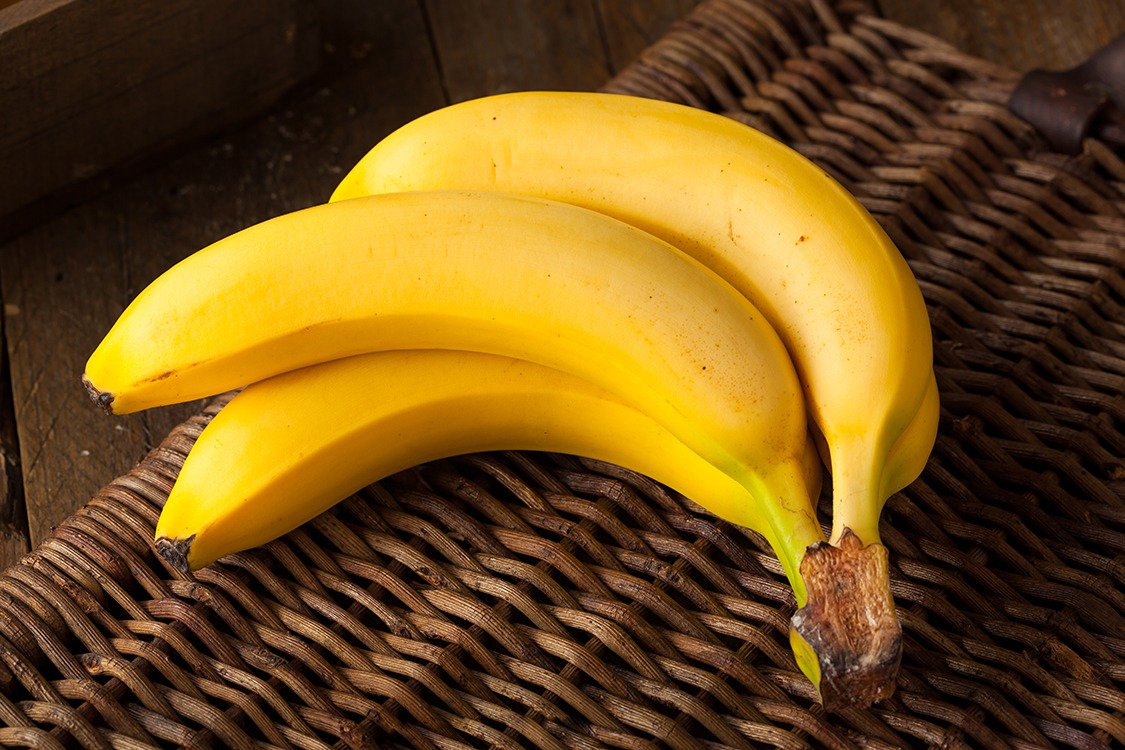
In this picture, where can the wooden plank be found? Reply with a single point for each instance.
(14, 539)
(63, 283)
(630, 26)
(491, 46)
(66, 280)
(1033, 34)
(98, 83)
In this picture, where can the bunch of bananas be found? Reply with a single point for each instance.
(630, 280)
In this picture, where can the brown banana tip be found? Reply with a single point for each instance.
(103, 400)
(175, 552)
(850, 623)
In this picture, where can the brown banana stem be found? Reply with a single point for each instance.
(849, 622)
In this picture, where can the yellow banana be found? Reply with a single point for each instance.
(908, 454)
(538, 280)
(289, 447)
(766, 219)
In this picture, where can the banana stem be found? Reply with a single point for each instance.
(785, 515)
(846, 637)
(857, 479)
(845, 634)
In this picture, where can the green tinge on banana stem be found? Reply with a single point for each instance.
(785, 515)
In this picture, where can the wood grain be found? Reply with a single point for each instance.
(14, 540)
(1030, 34)
(491, 46)
(97, 83)
(62, 285)
(630, 26)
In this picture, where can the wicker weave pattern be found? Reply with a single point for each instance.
(526, 600)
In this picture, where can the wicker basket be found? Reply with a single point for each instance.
(521, 600)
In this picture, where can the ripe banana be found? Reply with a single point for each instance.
(766, 219)
(538, 280)
(287, 448)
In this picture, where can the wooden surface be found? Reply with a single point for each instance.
(64, 281)
(1021, 34)
(99, 83)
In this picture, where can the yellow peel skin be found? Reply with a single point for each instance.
(766, 219)
(529, 278)
(336, 427)
(918, 439)
(904, 463)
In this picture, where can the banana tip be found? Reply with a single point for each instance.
(103, 399)
(175, 552)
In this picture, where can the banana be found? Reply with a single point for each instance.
(905, 461)
(289, 447)
(762, 216)
(548, 282)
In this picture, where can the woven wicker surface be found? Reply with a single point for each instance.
(528, 600)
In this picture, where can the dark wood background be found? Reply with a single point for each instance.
(64, 280)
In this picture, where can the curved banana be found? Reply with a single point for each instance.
(765, 218)
(906, 459)
(338, 426)
(538, 280)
